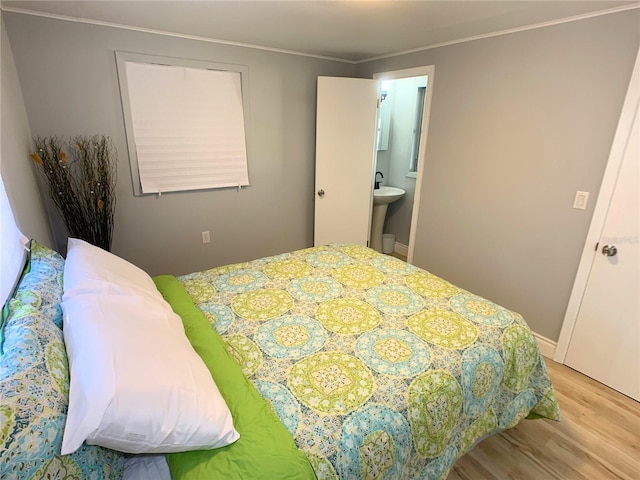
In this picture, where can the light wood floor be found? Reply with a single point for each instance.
(398, 255)
(597, 439)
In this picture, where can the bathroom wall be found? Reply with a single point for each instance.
(395, 161)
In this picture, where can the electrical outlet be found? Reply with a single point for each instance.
(206, 237)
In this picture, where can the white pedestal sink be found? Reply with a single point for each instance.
(382, 197)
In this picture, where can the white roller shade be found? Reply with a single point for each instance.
(188, 127)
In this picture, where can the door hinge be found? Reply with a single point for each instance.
(597, 245)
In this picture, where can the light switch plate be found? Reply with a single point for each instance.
(580, 200)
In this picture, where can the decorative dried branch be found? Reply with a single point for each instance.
(83, 189)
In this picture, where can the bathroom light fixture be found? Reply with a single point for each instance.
(384, 90)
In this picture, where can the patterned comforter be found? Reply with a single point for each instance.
(377, 368)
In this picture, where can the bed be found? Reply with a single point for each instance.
(363, 365)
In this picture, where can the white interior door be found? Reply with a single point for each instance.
(345, 159)
(605, 343)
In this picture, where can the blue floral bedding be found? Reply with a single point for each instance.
(34, 384)
(377, 368)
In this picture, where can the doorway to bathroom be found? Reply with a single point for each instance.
(346, 145)
(403, 117)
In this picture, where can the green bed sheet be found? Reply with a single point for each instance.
(265, 450)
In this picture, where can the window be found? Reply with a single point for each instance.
(185, 123)
(417, 130)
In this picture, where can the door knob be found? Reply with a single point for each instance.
(609, 250)
(321, 193)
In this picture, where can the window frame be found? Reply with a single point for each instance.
(123, 57)
(417, 129)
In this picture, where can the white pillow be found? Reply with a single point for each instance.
(137, 385)
(90, 269)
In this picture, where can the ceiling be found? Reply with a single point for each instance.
(352, 31)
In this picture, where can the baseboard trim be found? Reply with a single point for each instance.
(401, 249)
(547, 347)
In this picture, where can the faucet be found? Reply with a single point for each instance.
(377, 183)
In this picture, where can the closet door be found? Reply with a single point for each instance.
(605, 344)
(605, 340)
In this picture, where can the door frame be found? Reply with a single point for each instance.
(621, 138)
(429, 72)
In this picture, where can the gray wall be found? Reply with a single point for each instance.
(519, 123)
(17, 170)
(68, 75)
